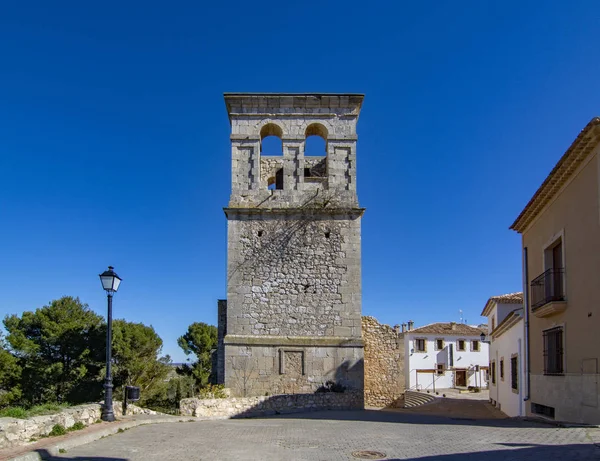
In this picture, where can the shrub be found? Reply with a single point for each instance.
(331, 386)
(46, 409)
(77, 426)
(212, 391)
(38, 410)
(13, 412)
(57, 430)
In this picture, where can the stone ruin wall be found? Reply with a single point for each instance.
(384, 363)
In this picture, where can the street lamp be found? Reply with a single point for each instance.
(482, 336)
(110, 282)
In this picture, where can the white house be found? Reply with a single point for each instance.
(445, 355)
(506, 330)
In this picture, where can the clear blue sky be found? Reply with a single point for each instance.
(114, 142)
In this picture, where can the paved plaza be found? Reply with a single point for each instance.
(336, 435)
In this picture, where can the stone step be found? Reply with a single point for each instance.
(414, 399)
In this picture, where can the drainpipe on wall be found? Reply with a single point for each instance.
(526, 309)
(519, 367)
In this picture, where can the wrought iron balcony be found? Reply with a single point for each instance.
(547, 288)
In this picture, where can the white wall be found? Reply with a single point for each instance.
(428, 360)
(509, 343)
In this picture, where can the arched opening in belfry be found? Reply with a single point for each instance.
(271, 140)
(315, 151)
(271, 156)
(315, 143)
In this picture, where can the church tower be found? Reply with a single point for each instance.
(292, 318)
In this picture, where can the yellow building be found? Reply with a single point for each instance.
(560, 228)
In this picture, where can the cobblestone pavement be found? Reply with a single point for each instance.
(335, 435)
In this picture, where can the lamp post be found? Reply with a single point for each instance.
(110, 282)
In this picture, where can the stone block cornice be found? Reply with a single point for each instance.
(294, 213)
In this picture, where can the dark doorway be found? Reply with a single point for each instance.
(461, 378)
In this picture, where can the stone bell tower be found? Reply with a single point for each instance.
(292, 318)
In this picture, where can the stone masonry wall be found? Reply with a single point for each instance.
(384, 363)
(268, 167)
(294, 288)
(277, 404)
(294, 278)
(15, 432)
(293, 368)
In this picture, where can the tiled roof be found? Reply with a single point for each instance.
(587, 140)
(509, 298)
(445, 328)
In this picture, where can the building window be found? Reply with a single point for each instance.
(542, 410)
(514, 373)
(420, 345)
(502, 368)
(493, 368)
(475, 346)
(553, 351)
(439, 344)
(493, 322)
(440, 368)
(460, 345)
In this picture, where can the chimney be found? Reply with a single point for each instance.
(453, 326)
(396, 329)
(410, 325)
(404, 328)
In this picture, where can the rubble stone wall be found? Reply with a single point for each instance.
(384, 363)
(277, 404)
(15, 432)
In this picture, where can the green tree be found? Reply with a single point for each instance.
(10, 372)
(200, 340)
(137, 359)
(60, 348)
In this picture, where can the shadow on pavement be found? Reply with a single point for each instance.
(387, 416)
(520, 452)
(45, 455)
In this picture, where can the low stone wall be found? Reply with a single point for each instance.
(15, 432)
(384, 363)
(245, 407)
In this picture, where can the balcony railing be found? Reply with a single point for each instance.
(547, 287)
